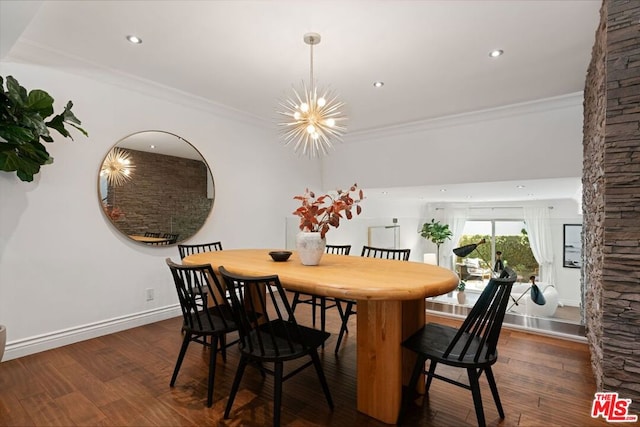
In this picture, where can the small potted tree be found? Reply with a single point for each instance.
(462, 297)
(3, 340)
(437, 233)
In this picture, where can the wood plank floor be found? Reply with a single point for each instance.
(123, 380)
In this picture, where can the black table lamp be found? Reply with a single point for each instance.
(465, 250)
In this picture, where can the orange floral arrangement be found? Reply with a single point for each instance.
(319, 213)
(113, 213)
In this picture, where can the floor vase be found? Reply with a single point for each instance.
(462, 297)
(3, 340)
(310, 247)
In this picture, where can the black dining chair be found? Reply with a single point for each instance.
(321, 301)
(472, 347)
(186, 250)
(172, 238)
(151, 234)
(269, 333)
(194, 283)
(370, 252)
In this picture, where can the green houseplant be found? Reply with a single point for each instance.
(437, 233)
(23, 125)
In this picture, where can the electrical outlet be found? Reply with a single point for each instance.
(150, 295)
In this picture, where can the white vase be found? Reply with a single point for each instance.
(3, 340)
(310, 247)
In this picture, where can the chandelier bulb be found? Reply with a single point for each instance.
(304, 107)
(321, 102)
(330, 122)
(311, 129)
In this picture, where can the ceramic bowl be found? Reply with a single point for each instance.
(279, 256)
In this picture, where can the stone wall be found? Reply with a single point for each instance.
(611, 184)
(593, 197)
(166, 194)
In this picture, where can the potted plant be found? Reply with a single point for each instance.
(318, 214)
(461, 295)
(437, 233)
(23, 125)
(3, 340)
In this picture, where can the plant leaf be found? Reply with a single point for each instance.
(40, 102)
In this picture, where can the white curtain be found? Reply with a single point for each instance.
(539, 230)
(456, 218)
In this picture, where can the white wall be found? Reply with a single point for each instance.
(63, 267)
(531, 141)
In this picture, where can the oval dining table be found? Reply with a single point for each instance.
(391, 306)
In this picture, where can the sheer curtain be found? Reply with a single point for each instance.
(539, 230)
(456, 218)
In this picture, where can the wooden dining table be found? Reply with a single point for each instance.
(391, 306)
(149, 240)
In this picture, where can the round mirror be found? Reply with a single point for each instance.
(155, 188)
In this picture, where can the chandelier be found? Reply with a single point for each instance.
(313, 117)
(117, 167)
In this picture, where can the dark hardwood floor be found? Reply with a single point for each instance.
(123, 380)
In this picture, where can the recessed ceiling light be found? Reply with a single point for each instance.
(496, 53)
(520, 186)
(530, 194)
(152, 146)
(378, 84)
(443, 190)
(134, 39)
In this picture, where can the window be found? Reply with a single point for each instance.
(508, 237)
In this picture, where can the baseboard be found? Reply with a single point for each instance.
(36, 344)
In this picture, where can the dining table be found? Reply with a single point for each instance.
(390, 297)
(149, 240)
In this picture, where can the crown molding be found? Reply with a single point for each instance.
(29, 52)
(524, 108)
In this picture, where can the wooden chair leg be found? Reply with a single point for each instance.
(212, 369)
(340, 311)
(418, 369)
(494, 390)
(183, 350)
(432, 370)
(343, 328)
(314, 303)
(296, 298)
(223, 347)
(236, 385)
(323, 315)
(322, 378)
(277, 393)
(477, 397)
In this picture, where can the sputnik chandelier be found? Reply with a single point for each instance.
(117, 167)
(313, 117)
